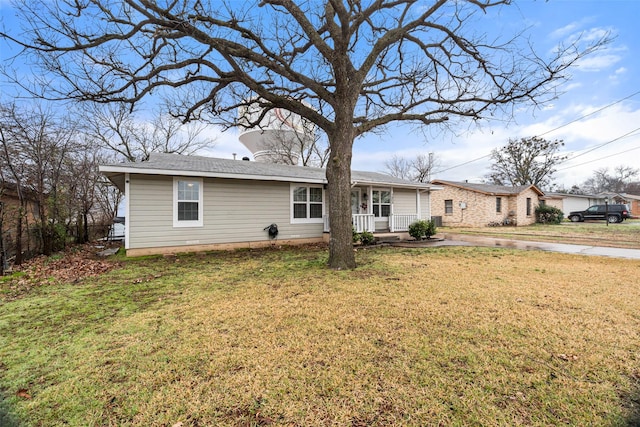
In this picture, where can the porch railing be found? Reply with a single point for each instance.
(401, 222)
(361, 222)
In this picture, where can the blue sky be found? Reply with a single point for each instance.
(597, 114)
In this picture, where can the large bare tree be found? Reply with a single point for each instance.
(526, 161)
(419, 168)
(36, 145)
(620, 181)
(349, 66)
(116, 128)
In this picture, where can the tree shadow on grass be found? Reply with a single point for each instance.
(633, 404)
(6, 418)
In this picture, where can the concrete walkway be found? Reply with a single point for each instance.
(469, 240)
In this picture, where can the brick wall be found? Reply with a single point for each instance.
(481, 208)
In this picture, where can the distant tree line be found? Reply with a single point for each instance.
(526, 161)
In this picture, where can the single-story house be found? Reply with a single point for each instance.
(10, 211)
(464, 204)
(571, 202)
(632, 200)
(177, 203)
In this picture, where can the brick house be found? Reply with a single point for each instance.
(632, 200)
(9, 209)
(464, 204)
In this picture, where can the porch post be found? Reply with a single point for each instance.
(418, 207)
(392, 222)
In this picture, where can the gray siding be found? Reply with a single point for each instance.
(425, 205)
(233, 211)
(404, 202)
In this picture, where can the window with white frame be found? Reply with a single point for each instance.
(448, 207)
(307, 203)
(381, 203)
(187, 202)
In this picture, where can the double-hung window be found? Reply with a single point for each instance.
(187, 202)
(498, 204)
(307, 203)
(381, 203)
(448, 207)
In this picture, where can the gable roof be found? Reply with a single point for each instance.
(490, 189)
(180, 165)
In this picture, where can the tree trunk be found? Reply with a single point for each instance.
(18, 258)
(85, 225)
(341, 254)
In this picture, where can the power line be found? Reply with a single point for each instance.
(591, 113)
(554, 129)
(601, 158)
(603, 144)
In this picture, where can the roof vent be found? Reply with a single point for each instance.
(246, 159)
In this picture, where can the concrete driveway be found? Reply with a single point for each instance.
(451, 239)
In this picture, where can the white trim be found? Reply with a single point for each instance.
(106, 169)
(183, 173)
(380, 190)
(182, 224)
(307, 220)
(127, 211)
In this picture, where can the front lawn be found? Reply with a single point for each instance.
(416, 337)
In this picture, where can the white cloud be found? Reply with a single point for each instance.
(597, 62)
(570, 28)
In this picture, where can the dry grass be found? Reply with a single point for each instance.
(449, 336)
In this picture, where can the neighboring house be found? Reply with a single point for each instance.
(632, 200)
(571, 202)
(463, 204)
(10, 211)
(178, 203)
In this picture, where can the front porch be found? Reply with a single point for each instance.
(367, 222)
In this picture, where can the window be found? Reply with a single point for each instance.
(381, 203)
(448, 207)
(498, 204)
(187, 202)
(306, 204)
(528, 206)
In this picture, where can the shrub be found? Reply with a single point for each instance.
(422, 228)
(431, 229)
(548, 215)
(356, 235)
(366, 238)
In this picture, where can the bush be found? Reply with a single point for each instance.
(548, 215)
(431, 229)
(366, 238)
(422, 228)
(356, 235)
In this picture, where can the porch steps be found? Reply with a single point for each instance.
(387, 237)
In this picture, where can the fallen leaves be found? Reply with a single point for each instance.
(23, 393)
(70, 266)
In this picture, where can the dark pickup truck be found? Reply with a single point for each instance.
(611, 213)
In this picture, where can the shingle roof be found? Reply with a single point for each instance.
(176, 164)
(488, 188)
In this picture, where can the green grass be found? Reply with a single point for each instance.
(443, 336)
